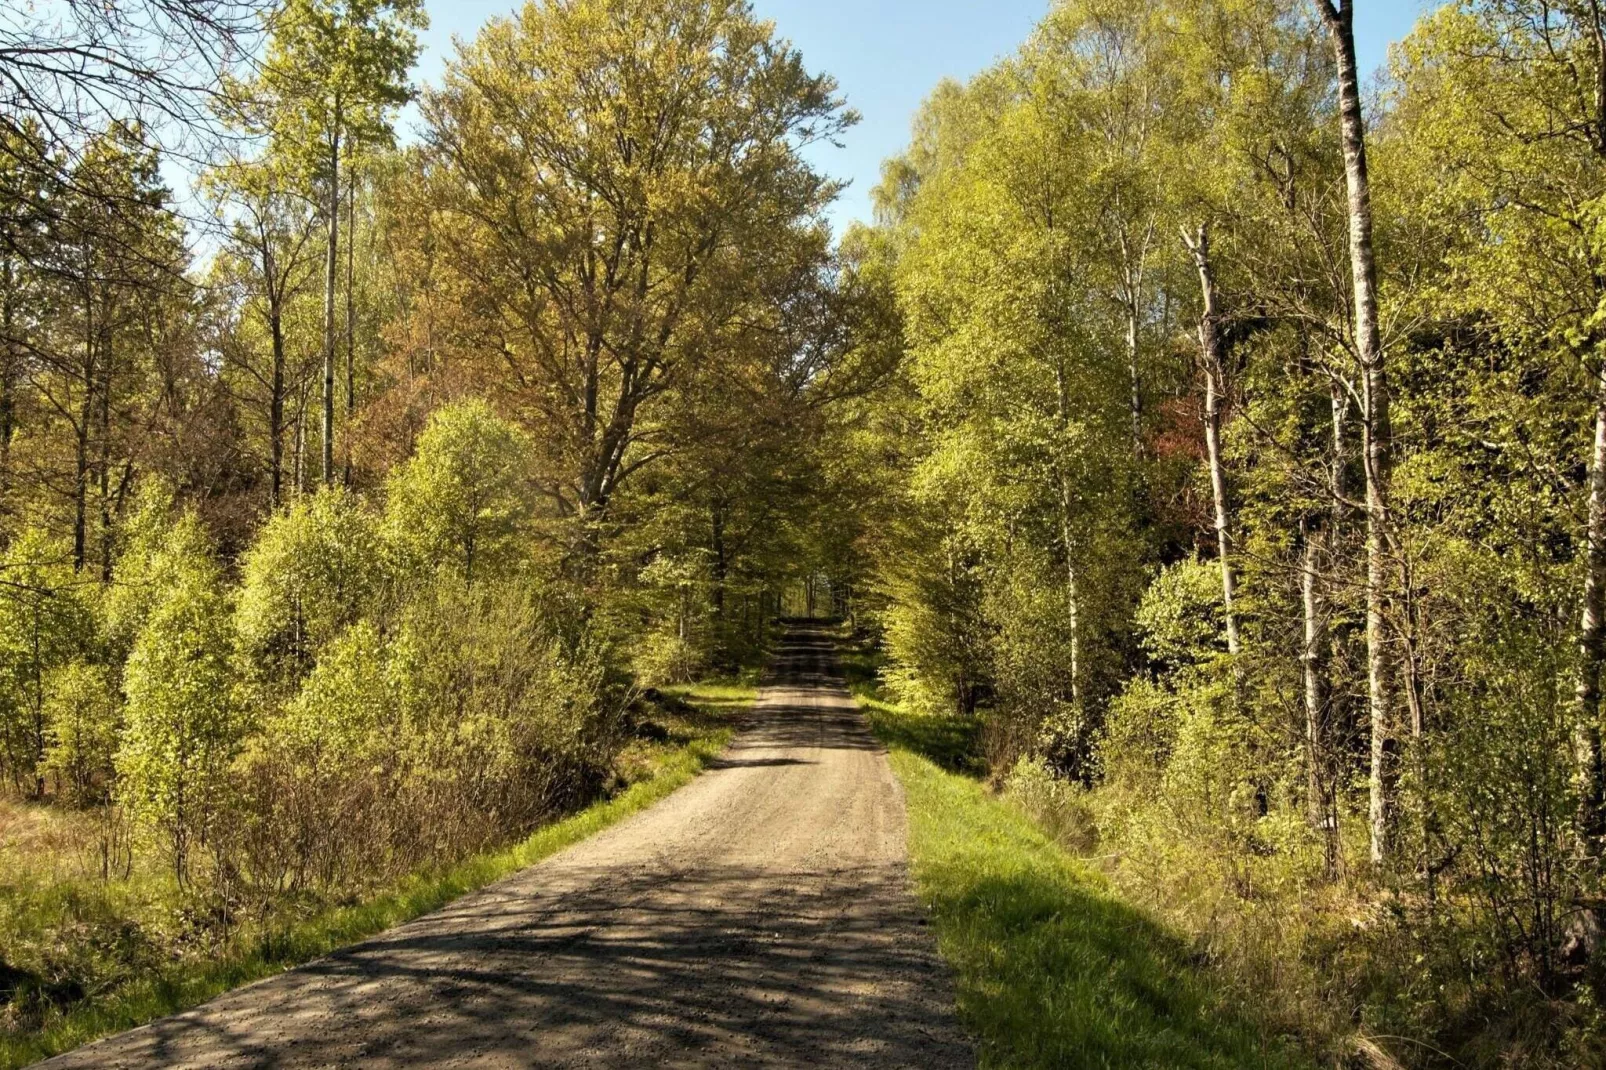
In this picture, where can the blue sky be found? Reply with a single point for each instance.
(888, 54)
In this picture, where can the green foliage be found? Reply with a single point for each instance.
(85, 723)
(334, 71)
(674, 652)
(182, 726)
(344, 703)
(313, 570)
(318, 779)
(1180, 615)
(135, 982)
(1053, 969)
(1055, 544)
(688, 180)
(156, 544)
(933, 626)
(1054, 804)
(502, 719)
(464, 502)
(45, 622)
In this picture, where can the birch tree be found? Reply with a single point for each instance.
(1339, 18)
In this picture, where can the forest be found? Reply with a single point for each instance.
(1214, 438)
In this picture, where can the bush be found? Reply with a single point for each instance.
(665, 657)
(1180, 616)
(85, 720)
(313, 570)
(151, 551)
(932, 623)
(182, 728)
(319, 781)
(502, 721)
(1055, 804)
(676, 593)
(45, 621)
(464, 500)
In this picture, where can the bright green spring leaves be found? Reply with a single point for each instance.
(465, 500)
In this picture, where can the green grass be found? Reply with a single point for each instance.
(694, 742)
(1052, 968)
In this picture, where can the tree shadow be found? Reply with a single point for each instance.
(657, 968)
(949, 741)
(1059, 975)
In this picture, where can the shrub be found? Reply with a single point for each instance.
(317, 781)
(1054, 803)
(143, 570)
(502, 720)
(463, 500)
(45, 621)
(84, 718)
(182, 728)
(313, 569)
(1180, 615)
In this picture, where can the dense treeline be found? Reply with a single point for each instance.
(1246, 472)
(342, 527)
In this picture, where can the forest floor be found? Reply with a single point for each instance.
(760, 915)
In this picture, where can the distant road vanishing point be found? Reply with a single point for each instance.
(761, 915)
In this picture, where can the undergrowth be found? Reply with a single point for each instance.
(1053, 968)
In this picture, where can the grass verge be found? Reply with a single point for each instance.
(692, 743)
(1052, 968)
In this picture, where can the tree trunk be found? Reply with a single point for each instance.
(103, 463)
(80, 529)
(718, 569)
(1215, 371)
(1132, 366)
(1375, 424)
(1313, 662)
(276, 401)
(1133, 265)
(1590, 771)
(1590, 775)
(36, 699)
(351, 314)
(9, 362)
(301, 439)
(331, 271)
(1073, 608)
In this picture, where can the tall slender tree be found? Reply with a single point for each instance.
(270, 231)
(335, 72)
(1339, 18)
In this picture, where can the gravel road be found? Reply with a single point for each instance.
(759, 916)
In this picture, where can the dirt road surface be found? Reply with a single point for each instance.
(759, 916)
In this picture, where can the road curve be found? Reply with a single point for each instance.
(759, 916)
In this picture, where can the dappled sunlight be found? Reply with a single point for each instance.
(725, 961)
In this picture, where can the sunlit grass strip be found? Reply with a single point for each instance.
(192, 983)
(1052, 968)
